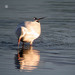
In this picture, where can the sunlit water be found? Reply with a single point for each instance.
(53, 51)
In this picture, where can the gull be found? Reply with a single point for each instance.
(28, 31)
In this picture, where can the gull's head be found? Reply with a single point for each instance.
(37, 19)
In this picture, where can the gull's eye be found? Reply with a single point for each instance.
(35, 18)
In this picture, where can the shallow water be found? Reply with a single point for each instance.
(54, 49)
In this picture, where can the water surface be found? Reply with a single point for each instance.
(55, 48)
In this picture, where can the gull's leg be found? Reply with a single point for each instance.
(23, 45)
(31, 43)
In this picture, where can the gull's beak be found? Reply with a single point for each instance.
(41, 18)
(37, 19)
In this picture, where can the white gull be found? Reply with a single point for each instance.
(28, 31)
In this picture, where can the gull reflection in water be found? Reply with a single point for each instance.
(27, 59)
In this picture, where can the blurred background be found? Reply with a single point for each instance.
(56, 45)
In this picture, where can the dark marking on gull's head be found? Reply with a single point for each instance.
(37, 19)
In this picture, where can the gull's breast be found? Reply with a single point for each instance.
(30, 36)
